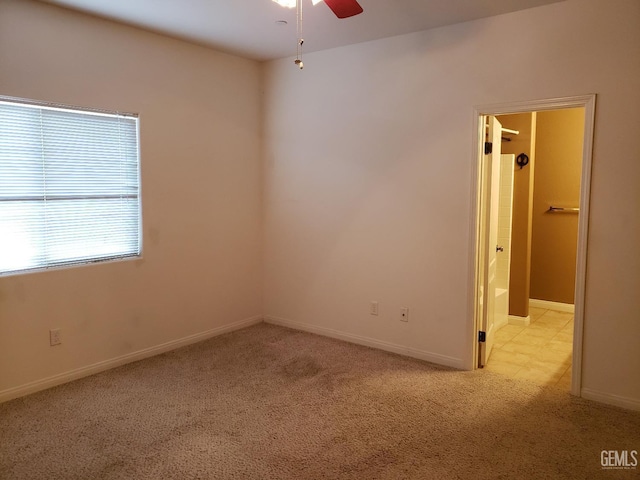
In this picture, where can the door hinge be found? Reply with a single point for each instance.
(482, 336)
(488, 148)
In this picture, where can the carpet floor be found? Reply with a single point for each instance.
(272, 403)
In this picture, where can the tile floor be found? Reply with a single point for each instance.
(540, 352)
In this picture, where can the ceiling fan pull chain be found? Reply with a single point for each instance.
(298, 60)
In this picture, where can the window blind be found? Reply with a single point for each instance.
(69, 186)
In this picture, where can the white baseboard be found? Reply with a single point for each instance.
(610, 399)
(546, 304)
(369, 342)
(519, 321)
(77, 373)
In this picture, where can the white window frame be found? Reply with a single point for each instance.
(98, 258)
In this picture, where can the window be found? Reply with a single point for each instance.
(69, 186)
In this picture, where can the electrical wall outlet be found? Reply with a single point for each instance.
(373, 308)
(404, 314)
(55, 337)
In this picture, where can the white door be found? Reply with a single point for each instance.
(490, 192)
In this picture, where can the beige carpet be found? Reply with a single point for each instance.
(272, 403)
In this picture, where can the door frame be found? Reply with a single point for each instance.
(588, 102)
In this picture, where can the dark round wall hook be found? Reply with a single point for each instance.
(522, 160)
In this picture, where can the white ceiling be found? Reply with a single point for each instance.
(248, 28)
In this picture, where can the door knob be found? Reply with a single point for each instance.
(499, 248)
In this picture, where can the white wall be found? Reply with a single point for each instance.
(368, 155)
(368, 165)
(200, 143)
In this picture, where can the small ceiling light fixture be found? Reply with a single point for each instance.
(341, 8)
(292, 3)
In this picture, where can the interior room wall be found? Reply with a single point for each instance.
(200, 153)
(520, 268)
(559, 141)
(369, 154)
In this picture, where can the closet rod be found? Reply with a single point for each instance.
(505, 130)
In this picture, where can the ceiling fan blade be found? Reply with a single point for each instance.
(344, 8)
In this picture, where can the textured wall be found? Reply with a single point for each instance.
(559, 141)
(368, 178)
(200, 150)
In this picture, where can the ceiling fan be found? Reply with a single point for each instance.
(341, 8)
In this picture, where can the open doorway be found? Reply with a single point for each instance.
(539, 207)
(531, 238)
